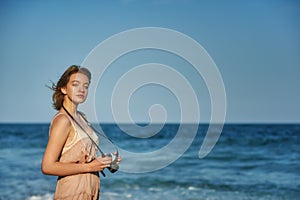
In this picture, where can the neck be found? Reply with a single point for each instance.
(71, 108)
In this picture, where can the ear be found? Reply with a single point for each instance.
(63, 90)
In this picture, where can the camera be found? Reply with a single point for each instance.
(113, 165)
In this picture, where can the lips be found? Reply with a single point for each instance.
(80, 96)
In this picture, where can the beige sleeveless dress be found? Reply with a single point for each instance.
(81, 186)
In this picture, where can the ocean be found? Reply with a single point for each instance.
(249, 161)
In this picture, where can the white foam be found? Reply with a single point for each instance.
(113, 195)
(193, 188)
(41, 197)
(110, 194)
(153, 189)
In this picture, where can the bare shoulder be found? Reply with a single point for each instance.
(61, 123)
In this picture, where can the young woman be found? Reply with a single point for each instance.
(70, 153)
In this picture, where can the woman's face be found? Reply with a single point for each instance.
(77, 88)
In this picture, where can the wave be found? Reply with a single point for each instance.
(47, 196)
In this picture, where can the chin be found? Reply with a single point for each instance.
(79, 101)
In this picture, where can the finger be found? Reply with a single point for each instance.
(106, 166)
(104, 158)
(108, 159)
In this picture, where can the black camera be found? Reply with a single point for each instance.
(113, 165)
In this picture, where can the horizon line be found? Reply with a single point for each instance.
(168, 122)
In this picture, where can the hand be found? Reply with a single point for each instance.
(119, 158)
(99, 164)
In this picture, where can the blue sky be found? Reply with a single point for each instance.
(255, 45)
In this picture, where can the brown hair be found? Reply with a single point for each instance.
(58, 96)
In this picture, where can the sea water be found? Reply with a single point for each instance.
(249, 161)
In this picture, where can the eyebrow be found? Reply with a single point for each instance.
(76, 81)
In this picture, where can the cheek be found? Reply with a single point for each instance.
(72, 90)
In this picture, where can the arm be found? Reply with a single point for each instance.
(59, 133)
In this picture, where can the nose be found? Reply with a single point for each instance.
(82, 89)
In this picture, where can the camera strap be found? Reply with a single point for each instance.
(102, 153)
